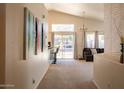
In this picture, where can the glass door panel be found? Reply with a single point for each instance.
(67, 46)
(66, 43)
(58, 42)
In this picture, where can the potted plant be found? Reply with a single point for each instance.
(122, 50)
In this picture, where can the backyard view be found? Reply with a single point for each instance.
(66, 45)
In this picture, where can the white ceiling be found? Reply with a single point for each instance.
(92, 10)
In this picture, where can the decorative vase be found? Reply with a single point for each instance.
(122, 53)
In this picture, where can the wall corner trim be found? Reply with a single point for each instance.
(96, 84)
(35, 87)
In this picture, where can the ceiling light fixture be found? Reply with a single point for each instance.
(83, 28)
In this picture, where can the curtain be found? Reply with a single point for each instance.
(75, 46)
(79, 44)
(85, 43)
(96, 39)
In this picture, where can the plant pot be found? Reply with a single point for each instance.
(122, 53)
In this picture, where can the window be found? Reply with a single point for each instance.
(100, 41)
(62, 27)
(90, 39)
(94, 40)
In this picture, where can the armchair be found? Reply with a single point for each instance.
(87, 54)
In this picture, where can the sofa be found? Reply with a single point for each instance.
(88, 53)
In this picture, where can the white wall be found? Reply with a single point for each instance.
(62, 18)
(113, 15)
(18, 71)
(108, 72)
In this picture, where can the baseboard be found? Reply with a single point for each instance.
(41, 78)
(96, 84)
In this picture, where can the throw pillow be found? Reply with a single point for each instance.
(93, 51)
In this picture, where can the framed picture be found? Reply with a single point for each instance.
(36, 36)
(42, 37)
(38, 40)
(29, 34)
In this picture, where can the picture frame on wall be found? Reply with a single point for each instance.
(25, 34)
(33, 41)
(38, 40)
(42, 37)
(29, 34)
(36, 36)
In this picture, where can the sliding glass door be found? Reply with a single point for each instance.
(66, 43)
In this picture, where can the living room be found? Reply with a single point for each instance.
(94, 38)
(86, 30)
(87, 36)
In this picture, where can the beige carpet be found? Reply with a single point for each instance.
(68, 74)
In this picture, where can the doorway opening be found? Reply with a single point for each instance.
(66, 43)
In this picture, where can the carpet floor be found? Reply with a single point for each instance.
(69, 74)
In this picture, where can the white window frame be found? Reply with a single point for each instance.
(62, 27)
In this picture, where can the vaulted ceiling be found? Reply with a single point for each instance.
(92, 10)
